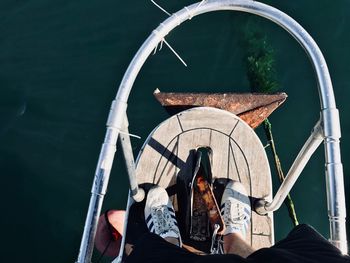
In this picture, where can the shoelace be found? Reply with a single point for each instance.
(234, 215)
(162, 220)
(217, 243)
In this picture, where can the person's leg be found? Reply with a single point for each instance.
(303, 244)
(163, 241)
(235, 244)
(151, 248)
(236, 211)
(158, 246)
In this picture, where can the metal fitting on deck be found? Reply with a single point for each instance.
(259, 206)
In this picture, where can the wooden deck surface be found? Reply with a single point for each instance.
(236, 153)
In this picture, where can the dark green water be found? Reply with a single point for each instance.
(60, 66)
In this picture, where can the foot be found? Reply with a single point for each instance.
(160, 215)
(235, 209)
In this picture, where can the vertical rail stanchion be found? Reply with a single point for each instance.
(100, 183)
(98, 191)
(334, 179)
(136, 193)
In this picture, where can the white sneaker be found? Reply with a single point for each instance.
(160, 215)
(235, 208)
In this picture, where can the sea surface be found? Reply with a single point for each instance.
(60, 66)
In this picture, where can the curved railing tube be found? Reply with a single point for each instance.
(329, 113)
(262, 206)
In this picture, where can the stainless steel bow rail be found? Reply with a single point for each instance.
(327, 128)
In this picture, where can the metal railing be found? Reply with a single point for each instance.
(327, 129)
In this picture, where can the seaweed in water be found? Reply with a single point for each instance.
(259, 60)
